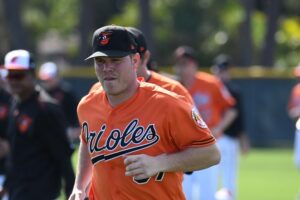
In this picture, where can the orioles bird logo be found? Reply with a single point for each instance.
(24, 123)
(104, 38)
(14, 59)
(196, 117)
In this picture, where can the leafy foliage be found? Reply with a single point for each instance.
(210, 26)
(41, 16)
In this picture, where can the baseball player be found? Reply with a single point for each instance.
(137, 138)
(51, 81)
(214, 103)
(234, 139)
(294, 113)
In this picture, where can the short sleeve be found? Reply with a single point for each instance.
(186, 127)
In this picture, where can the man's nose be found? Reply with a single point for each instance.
(107, 66)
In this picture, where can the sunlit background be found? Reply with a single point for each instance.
(262, 37)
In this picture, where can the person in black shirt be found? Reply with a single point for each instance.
(61, 91)
(39, 156)
(234, 139)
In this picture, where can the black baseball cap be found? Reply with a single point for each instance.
(223, 61)
(140, 40)
(113, 41)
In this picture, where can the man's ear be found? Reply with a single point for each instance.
(135, 60)
(146, 57)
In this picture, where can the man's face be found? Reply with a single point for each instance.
(185, 68)
(50, 83)
(20, 82)
(117, 74)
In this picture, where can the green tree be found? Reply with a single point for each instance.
(251, 31)
(93, 15)
(16, 33)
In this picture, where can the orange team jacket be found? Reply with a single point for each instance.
(211, 98)
(154, 121)
(295, 97)
(164, 82)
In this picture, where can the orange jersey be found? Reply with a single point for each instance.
(295, 97)
(154, 121)
(211, 98)
(171, 85)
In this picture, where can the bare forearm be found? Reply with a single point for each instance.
(191, 159)
(228, 117)
(84, 168)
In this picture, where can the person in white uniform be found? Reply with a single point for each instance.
(234, 140)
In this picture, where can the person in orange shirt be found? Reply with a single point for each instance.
(294, 113)
(215, 105)
(137, 138)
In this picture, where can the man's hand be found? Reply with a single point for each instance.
(3, 192)
(77, 195)
(142, 166)
(244, 143)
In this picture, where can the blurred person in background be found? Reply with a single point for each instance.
(294, 113)
(234, 138)
(5, 99)
(39, 154)
(51, 81)
(216, 106)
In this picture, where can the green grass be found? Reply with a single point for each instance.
(265, 174)
(268, 174)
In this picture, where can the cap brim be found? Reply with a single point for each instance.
(109, 54)
(17, 68)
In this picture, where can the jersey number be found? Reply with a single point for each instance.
(159, 177)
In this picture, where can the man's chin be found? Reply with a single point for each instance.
(110, 90)
(111, 93)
